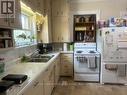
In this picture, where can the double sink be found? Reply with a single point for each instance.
(40, 58)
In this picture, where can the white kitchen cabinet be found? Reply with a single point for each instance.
(36, 88)
(60, 21)
(3, 22)
(60, 27)
(35, 5)
(47, 7)
(14, 22)
(44, 84)
(30, 3)
(57, 70)
(45, 35)
(40, 6)
(49, 80)
(66, 64)
(60, 7)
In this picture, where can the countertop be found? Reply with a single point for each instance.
(67, 52)
(31, 69)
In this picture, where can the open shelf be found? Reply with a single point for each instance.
(85, 28)
(6, 38)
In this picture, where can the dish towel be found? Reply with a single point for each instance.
(92, 62)
(121, 71)
(111, 66)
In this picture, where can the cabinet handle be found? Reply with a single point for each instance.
(12, 20)
(5, 19)
(46, 70)
(36, 84)
(57, 13)
(61, 13)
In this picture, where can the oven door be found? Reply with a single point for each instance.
(85, 64)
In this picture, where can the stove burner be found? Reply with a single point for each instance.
(79, 51)
(92, 52)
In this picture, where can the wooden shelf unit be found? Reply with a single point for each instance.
(6, 38)
(85, 28)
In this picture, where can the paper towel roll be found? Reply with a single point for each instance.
(65, 46)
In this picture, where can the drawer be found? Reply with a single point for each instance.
(67, 65)
(67, 56)
(67, 73)
(66, 69)
(66, 62)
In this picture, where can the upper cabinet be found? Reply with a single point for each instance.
(40, 6)
(60, 8)
(47, 7)
(60, 29)
(44, 35)
(35, 5)
(16, 22)
(12, 22)
(60, 21)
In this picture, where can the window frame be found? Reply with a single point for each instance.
(31, 29)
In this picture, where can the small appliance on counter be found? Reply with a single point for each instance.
(65, 46)
(2, 65)
(44, 48)
(4, 86)
(17, 78)
(68, 46)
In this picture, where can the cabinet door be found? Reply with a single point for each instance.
(29, 91)
(64, 8)
(40, 6)
(56, 5)
(47, 7)
(3, 22)
(30, 3)
(16, 22)
(61, 29)
(36, 88)
(67, 64)
(56, 29)
(48, 86)
(46, 30)
(60, 7)
(65, 33)
(57, 70)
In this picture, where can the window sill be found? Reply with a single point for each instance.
(12, 48)
(26, 46)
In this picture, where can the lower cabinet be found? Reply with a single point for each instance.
(49, 81)
(66, 65)
(57, 70)
(44, 84)
(36, 88)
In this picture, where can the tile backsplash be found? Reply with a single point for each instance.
(11, 55)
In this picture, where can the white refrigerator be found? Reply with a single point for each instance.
(112, 44)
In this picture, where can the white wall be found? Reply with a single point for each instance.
(13, 54)
(108, 8)
(105, 8)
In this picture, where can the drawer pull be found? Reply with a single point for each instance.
(36, 84)
(46, 70)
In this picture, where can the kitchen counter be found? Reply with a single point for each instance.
(31, 69)
(67, 52)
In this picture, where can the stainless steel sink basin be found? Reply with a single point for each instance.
(40, 58)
